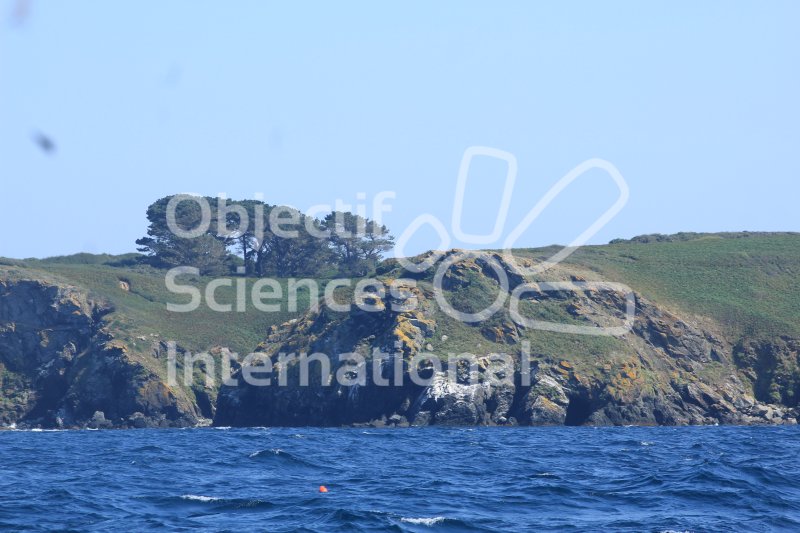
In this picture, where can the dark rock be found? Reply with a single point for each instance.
(65, 366)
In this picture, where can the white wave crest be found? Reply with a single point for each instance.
(272, 451)
(424, 521)
(196, 498)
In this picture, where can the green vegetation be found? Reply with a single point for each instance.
(139, 298)
(748, 283)
(276, 241)
(723, 305)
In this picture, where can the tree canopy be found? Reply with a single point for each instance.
(251, 237)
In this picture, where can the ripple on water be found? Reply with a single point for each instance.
(545, 479)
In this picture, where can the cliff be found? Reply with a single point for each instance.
(715, 339)
(667, 370)
(62, 367)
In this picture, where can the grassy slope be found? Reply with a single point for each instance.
(142, 312)
(747, 284)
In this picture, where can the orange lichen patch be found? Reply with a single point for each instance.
(505, 333)
(406, 333)
(410, 328)
(117, 345)
(626, 385)
(630, 373)
(372, 301)
(417, 319)
(155, 393)
(547, 404)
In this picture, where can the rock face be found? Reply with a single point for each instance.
(63, 362)
(61, 367)
(670, 371)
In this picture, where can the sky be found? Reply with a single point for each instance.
(694, 103)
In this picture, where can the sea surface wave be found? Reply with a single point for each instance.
(418, 479)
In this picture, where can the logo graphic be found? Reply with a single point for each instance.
(511, 239)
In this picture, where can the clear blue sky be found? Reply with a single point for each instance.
(696, 103)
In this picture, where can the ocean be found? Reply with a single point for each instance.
(417, 479)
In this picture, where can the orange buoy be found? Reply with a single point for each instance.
(323, 488)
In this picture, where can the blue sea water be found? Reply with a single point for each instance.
(426, 479)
